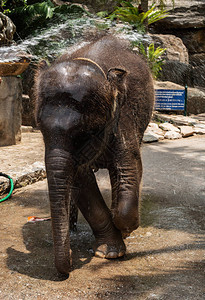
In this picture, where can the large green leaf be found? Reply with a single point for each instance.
(129, 13)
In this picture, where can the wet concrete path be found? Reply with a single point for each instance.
(165, 257)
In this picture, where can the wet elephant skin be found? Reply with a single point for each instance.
(92, 107)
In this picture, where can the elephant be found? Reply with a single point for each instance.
(92, 106)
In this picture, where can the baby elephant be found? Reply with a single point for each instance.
(93, 107)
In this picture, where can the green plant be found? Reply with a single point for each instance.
(44, 10)
(153, 57)
(8, 5)
(131, 14)
(27, 18)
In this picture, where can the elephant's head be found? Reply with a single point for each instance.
(77, 107)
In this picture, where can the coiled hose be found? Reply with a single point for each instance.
(11, 186)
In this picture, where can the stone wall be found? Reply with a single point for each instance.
(186, 21)
(10, 112)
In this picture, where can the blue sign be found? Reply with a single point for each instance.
(169, 99)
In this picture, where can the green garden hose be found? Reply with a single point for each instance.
(11, 186)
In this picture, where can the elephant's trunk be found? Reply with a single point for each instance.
(59, 167)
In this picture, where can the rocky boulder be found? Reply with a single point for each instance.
(168, 127)
(185, 14)
(186, 131)
(7, 30)
(175, 48)
(195, 101)
(186, 21)
(197, 59)
(194, 40)
(177, 72)
(172, 135)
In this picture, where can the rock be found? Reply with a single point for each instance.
(172, 135)
(186, 14)
(177, 72)
(167, 85)
(201, 126)
(195, 101)
(199, 118)
(169, 127)
(197, 59)
(10, 112)
(195, 96)
(153, 126)
(194, 40)
(175, 49)
(186, 21)
(198, 63)
(199, 130)
(186, 131)
(198, 75)
(7, 30)
(150, 137)
(30, 178)
(175, 119)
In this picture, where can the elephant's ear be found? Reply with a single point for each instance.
(116, 75)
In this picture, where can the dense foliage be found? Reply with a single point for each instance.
(134, 15)
(29, 15)
(8, 5)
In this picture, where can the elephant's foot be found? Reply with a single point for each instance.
(109, 244)
(64, 265)
(126, 218)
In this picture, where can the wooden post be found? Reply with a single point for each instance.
(144, 5)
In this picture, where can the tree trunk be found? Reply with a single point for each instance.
(144, 4)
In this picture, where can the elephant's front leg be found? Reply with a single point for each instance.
(109, 242)
(125, 178)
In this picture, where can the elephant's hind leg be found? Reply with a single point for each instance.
(109, 242)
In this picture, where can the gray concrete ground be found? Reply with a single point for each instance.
(165, 256)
